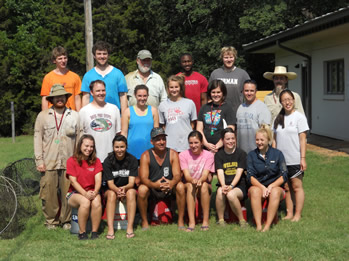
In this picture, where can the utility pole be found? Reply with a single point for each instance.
(88, 34)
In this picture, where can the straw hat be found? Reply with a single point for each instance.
(57, 90)
(280, 70)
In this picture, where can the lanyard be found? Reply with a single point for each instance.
(60, 123)
(212, 120)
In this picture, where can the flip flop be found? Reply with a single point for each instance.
(181, 228)
(189, 229)
(145, 228)
(130, 235)
(204, 228)
(110, 237)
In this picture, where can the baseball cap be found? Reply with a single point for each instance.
(156, 132)
(144, 54)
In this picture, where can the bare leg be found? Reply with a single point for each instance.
(297, 186)
(142, 201)
(79, 201)
(205, 203)
(111, 202)
(256, 205)
(180, 199)
(96, 213)
(191, 195)
(220, 204)
(289, 202)
(275, 196)
(234, 196)
(131, 209)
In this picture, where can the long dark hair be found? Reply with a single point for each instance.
(280, 118)
(79, 157)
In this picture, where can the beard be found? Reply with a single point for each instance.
(278, 89)
(144, 69)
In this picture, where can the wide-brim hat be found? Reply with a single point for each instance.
(157, 132)
(58, 90)
(280, 70)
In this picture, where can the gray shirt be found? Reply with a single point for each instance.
(249, 119)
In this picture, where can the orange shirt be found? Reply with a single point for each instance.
(71, 82)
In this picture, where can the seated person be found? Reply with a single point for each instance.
(267, 173)
(230, 164)
(196, 165)
(84, 171)
(160, 176)
(120, 170)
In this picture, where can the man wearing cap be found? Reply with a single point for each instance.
(160, 176)
(280, 77)
(116, 88)
(56, 134)
(61, 74)
(144, 75)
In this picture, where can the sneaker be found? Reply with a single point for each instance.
(94, 235)
(83, 236)
(66, 226)
(51, 227)
(243, 224)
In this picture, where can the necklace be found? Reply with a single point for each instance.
(58, 126)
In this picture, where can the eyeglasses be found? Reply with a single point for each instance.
(286, 100)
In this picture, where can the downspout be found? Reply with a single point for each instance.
(306, 94)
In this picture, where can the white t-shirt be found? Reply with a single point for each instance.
(102, 124)
(287, 139)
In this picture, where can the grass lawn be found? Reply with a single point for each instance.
(322, 233)
(10, 152)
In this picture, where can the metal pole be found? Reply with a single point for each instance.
(13, 122)
(88, 34)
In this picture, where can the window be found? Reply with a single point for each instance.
(335, 77)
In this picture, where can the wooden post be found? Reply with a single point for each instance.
(88, 34)
(13, 122)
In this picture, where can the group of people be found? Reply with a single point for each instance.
(112, 138)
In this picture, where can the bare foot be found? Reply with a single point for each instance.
(296, 218)
(287, 217)
(145, 225)
(265, 229)
(259, 228)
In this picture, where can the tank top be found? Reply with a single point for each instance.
(139, 129)
(156, 171)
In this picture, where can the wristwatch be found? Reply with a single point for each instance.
(232, 186)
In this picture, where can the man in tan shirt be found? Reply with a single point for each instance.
(56, 133)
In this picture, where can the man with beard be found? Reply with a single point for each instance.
(55, 135)
(144, 75)
(195, 83)
(280, 77)
(113, 78)
(100, 119)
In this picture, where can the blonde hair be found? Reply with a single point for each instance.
(180, 80)
(265, 129)
(229, 49)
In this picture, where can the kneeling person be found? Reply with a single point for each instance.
(120, 170)
(160, 176)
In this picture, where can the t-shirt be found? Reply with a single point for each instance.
(196, 164)
(229, 163)
(177, 117)
(287, 139)
(119, 171)
(249, 118)
(195, 84)
(102, 124)
(85, 174)
(212, 116)
(234, 80)
(115, 83)
(71, 82)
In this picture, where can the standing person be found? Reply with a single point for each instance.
(100, 119)
(215, 116)
(160, 176)
(290, 128)
(232, 76)
(196, 164)
(84, 170)
(250, 116)
(177, 114)
(230, 163)
(55, 134)
(280, 78)
(195, 83)
(145, 75)
(114, 79)
(267, 174)
(138, 121)
(62, 75)
(120, 170)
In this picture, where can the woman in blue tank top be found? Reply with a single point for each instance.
(137, 122)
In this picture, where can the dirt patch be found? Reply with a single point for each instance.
(326, 152)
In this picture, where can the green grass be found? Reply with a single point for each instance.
(322, 233)
(10, 152)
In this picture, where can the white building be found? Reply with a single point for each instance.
(318, 51)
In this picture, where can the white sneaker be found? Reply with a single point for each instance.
(66, 226)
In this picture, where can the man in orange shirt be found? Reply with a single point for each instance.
(61, 75)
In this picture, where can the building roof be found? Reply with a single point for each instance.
(314, 25)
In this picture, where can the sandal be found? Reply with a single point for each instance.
(205, 228)
(94, 235)
(190, 229)
(110, 237)
(130, 235)
(181, 228)
(83, 236)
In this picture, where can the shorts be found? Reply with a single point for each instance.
(294, 171)
(158, 194)
(69, 194)
(241, 186)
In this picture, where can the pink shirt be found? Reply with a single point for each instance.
(196, 164)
